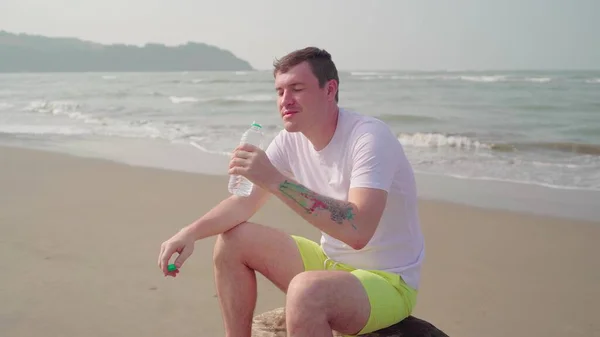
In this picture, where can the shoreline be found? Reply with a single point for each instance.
(576, 204)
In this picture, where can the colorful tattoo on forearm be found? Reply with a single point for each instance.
(312, 202)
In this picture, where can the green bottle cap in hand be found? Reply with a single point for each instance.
(172, 267)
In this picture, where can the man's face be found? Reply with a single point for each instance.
(301, 101)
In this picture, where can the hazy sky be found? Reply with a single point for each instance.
(360, 34)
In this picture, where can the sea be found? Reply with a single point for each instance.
(471, 136)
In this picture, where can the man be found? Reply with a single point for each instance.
(345, 174)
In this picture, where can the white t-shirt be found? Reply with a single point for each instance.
(362, 153)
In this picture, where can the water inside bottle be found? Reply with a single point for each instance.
(239, 185)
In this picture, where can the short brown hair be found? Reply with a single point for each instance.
(319, 60)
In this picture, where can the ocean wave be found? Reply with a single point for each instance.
(244, 98)
(5, 106)
(445, 77)
(180, 100)
(112, 128)
(423, 77)
(555, 165)
(70, 109)
(224, 100)
(52, 106)
(486, 79)
(570, 147)
(92, 125)
(593, 81)
(208, 138)
(75, 120)
(8, 92)
(437, 140)
(237, 79)
(511, 181)
(365, 73)
(378, 77)
(538, 79)
(392, 118)
(63, 130)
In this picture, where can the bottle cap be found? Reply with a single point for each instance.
(171, 267)
(257, 125)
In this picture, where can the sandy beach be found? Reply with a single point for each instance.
(79, 240)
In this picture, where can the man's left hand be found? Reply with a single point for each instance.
(252, 162)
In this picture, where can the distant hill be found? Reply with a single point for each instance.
(35, 53)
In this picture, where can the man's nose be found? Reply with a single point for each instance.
(287, 98)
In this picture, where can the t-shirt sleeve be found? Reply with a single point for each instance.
(276, 152)
(373, 160)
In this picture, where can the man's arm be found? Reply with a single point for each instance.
(227, 214)
(352, 222)
(224, 216)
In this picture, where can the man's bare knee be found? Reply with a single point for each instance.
(269, 251)
(230, 243)
(327, 297)
(307, 294)
(306, 302)
(306, 285)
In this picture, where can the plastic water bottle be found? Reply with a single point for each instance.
(239, 185)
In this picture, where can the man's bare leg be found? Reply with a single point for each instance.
(238, 253)
(318, 302)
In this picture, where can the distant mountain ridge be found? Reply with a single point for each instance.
(36, 53)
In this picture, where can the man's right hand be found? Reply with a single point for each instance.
(183, 244)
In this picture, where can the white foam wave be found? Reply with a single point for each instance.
(514, 181)
(52, 106)
(422, 77)
(239, 98)
(468, 78)
(593, 80)
(538, 79)
(68, 130)
(179, 100)
(486, 79)
(4, 105)
(248, 98)
(557, 165)
(69, 109)
(510, 181)
(98, 126)
(433, 140)
(364, 73)
(109, 77)
(369, 78)
(111, 128)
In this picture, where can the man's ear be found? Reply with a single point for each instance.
(332, 89)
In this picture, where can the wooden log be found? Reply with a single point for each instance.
(272, 324)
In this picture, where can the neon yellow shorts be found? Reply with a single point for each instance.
(390, 297)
